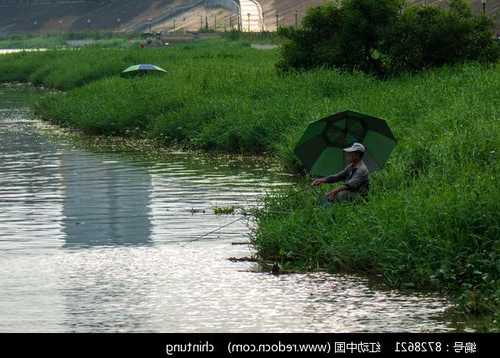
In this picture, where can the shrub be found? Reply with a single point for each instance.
(429, 36)
(382, 37)
(346, 36)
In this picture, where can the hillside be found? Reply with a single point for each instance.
(41, 16)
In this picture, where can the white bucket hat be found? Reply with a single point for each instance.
(355, 147)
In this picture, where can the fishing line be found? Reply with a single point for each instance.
(244, 215)
(212, 231)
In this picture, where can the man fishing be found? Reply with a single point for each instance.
(354, 176)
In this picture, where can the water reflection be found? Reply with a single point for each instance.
(105, 202)
(31, 197)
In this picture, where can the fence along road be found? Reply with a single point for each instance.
(251, 16)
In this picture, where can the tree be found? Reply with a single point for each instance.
(427, 37)
(346, 36)
(382, 37)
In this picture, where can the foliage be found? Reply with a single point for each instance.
(429, 36)
(384, 37)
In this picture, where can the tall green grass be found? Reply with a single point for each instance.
(432, 219)
(71, 68)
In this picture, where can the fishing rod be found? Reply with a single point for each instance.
(245, 214)
(215, 230)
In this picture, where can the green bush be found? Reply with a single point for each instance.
(429, 36)
(383, 37)
(346, 36)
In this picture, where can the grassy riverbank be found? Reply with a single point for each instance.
(432, 221)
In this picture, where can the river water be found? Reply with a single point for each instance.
(106, 242)
(6, 51)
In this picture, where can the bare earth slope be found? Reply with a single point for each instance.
(138, 15)
(117, 15)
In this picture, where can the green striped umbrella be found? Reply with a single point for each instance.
(142, 69)
(321, 147)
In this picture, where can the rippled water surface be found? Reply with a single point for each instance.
(105, 242)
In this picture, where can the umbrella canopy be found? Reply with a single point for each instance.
(321, 147)
(142, 69)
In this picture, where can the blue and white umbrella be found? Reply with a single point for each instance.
(142, 69)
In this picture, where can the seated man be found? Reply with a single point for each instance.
(354, 176)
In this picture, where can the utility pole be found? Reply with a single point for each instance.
(248, 22)
(483, 2)
(277, 21)
(296, 18)
(215, 23)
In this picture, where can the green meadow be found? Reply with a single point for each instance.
(432, 220)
